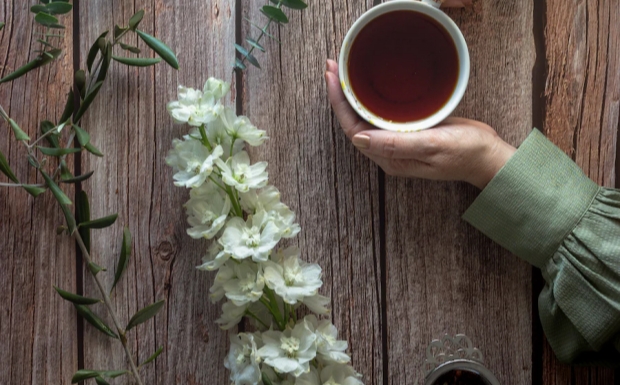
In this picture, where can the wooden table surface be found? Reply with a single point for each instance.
(400, 265)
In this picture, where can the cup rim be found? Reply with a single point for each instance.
(462, 364)
(462, 52)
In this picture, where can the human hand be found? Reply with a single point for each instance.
(457, 149)
(456, 3)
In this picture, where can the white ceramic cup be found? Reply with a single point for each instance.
(429, 8)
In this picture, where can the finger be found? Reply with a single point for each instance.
(349, 120)
(456, 3)
(393, 145)
(410, 168)
(332, 66)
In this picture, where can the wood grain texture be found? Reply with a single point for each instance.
(582, 106)
(129, 123)
(330, 186)
(39, 342)
(443, 276)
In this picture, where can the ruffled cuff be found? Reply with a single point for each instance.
(534, 201)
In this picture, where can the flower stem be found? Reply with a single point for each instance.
(111, 311)
(205, 139)
(257, 319)
(265, 302)
(276, 309)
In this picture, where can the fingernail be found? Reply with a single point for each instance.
(361, 141)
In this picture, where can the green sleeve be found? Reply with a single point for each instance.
(542, 208)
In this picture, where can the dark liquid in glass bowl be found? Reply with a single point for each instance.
(461, 377)
(403, 66)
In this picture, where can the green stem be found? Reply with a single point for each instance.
(257, 319)
(216, 183)
(205, 139)
(235, 201)
(267, 304)
(276, 309)
(262, 33)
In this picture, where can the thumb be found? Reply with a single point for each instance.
(392, 145)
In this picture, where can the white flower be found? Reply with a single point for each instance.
(243, 360)
(194, 107)
(277, 379)
(289, 351)
(224, 274)
(253, 238)
(317, 304)
(217, 134)
(192, 162)
(216, 88)
(207, 210)
(292, 279)
(269, 200)
(215, 258)
(246, 285)
(340, 375)
(329, 348)
(238, 172)
(310, 378)
(231, 315)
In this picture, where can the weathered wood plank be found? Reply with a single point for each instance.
(442, 275)
(581, 112)
(130, 125)
(39, 341)
(330, 186)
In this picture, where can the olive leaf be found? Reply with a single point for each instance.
(83, 374)
(78, 179)
(52, 139)
(145, 314)
(137, 62)
(19, 133)
(75, 298)
(100, 223)
(94, 320)
(57, 151)
(293, 4)
(88, 100)
(94, 268)
(101, 381)
(123, 260)
(136, 19)
(58, 193)
(94, 50)
(130, 48)
(35, 191)
(6, 169)
(82, 214)
(93, 150)
(105, 63)
(153, 356)
(83, 137)
(41, 60)
(69, 107)
(160, 48)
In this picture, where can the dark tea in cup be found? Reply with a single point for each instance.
(403, 66)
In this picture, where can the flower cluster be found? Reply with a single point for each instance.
(232, 203)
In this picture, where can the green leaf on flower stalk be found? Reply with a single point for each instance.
(57, 151)
(68, 111)
(95, 269)
(45, 43)
(255, 44)
(114, 373)
(101, 381)
(84, 374)
(80, 82)
(94, 320)
(274, 14)
(293, 4)
(78, 179)
(59, 8)
(136, 19)
(137, 61)
(58, 193)
(75, 298)
(266, 380)
(246, 54)
(118, 30)
(130, 48)
(94, 49)
(239, 64)
(100, 223)
(153, 356)
(6, 169)
(34, 190)
(65, 173)
(93, 150)
(88, 100)
(82, 136)
(82, 214)
(40, 61)
(123, 260)
(160, 48)
(145, 314)
(19, 133)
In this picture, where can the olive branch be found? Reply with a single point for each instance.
(50, 162)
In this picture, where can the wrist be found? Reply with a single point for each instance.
(498, 155)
